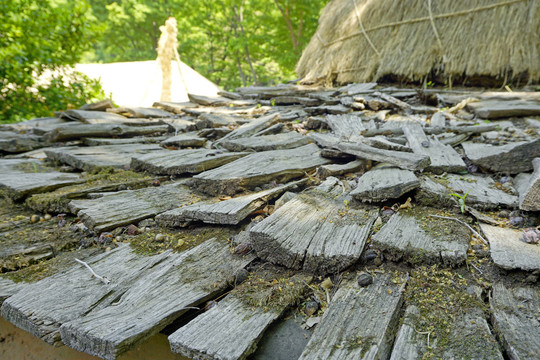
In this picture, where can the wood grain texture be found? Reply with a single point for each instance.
(315, 230)
(228, 212)
(386, 183)
(287, 140)
(508, 251)
(511, 158)
(130, 206)
(102, 130)
(260, 168)
(512, 319)
(177, 162)
(359, 323)
(529, 197)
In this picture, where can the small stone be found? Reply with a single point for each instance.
(242, 249)
(240, 276)
(34, 218)
(105, 238)
(156, 183)
(364, 279)
(516, 221)
(159, 237)
(311, 308)
(119, 238)
(377, 261)
(47, 217)
(370, 255)
(132, 230)
(505, 179)
(531, 236)
(504, 214)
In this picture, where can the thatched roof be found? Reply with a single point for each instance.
(420, 40)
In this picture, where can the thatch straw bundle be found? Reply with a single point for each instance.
(420, 40)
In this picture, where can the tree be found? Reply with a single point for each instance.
(39, 39)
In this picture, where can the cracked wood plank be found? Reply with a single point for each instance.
(316, 230)
(443, 157)
(123, 141)
(252, 127)
(481, 192)
(348, 126)
(12, 142)
(131, 206)
(385, 183)
(359, 323)
(177, 162)
(92, 117)
(412, 235)
(260, 168)
(146, 307)
(508, 251)
(510, 158)
(140, 112)
(228, 212)
(514, 314)
(9, 288)
(96, 157)
(496, 109)
(77, 131)
(287, 140)
(529, 198)
(190, 139)
(403, 160)
(232, 328)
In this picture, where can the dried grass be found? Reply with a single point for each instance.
(365, 40)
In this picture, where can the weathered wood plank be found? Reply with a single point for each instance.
(140, 112)
(252, 127)
(385, 183)
(403, 160)
(232, 328)
(95, 157)
(294, 100)
(102, 130)
(218, 101)
(92, 117)
(508, 251)
(359, 323)
(510, 158)
(529, 198)
(347, 126)
(176, 162)
(12, 142)
(9, 288)
(24, 177)
(130, 206)
(260, 168)
(146, 307)
(287, 140)
(315, 230)
(513, 320)
(184, 140)
(124, 141)
(228, 212)
(328, 109)
(496, 109)
(102, 105)
(443, 158)
(325, 171)
(174, 107)
(481, 192)
(417, 238)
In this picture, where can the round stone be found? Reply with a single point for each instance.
(311, 308)
(364, 279)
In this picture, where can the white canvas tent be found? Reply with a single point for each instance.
(138, 83)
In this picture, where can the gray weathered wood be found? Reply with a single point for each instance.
(360, 323)
(287, 140)
(184, 140)
(508, 251)
(260, 168)
(92, 157)
(228, 212)
(253, 127)
(362, 88)
(176, 162)
(102, 130)
(9, 288)
(194, 277)
(514, 314)
(510, 158)
(315, 230)
(18, 178)
(382, 142)
(231, 329)
(102, 105)
(140, 112)
(328, 109)
(325, 171)
(218, 101)
(12, 142)
(215, 120)
(92, 117)
(529, 197)
(443, 158)
(495, 109)
(293, 100)
(406, 236)
(385, 183)
(131, 206)
(469, 337)
(174, 107)
(347, 126)
(481, 192)
(124, 141)
(403, 160)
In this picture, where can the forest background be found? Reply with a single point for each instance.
(231, 42)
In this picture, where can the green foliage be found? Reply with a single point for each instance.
(38, 39)
(461, 200)
(232, 42)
